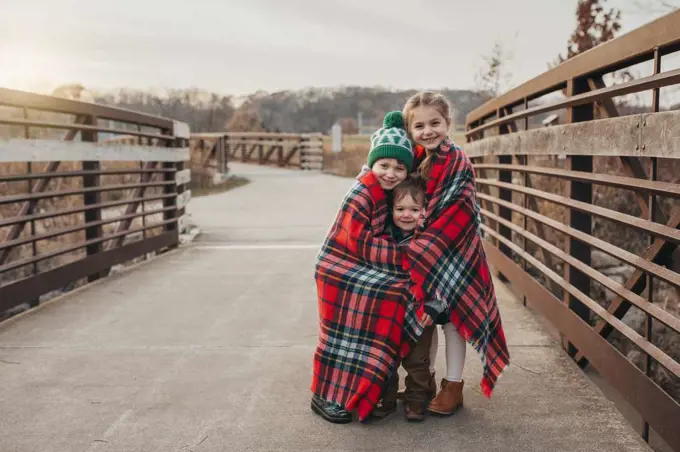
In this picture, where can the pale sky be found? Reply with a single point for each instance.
(240, 46)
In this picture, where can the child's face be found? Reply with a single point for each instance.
(390, 172)
(428, 127)
(406, 212)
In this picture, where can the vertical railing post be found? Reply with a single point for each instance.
(260, 152)
(503, 193)
(223, 155)
(92, 198)
(525, 198)
(583, 192)
(279, 153)
(653, 216)
(34, 244)
(181, 136)
(304, 143)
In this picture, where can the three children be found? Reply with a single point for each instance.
(428, 127)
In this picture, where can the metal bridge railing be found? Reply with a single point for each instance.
(603, 184)
(292, 150)
(74, 204)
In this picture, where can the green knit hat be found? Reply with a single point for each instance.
(391, 141)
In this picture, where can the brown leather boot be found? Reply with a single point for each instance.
(449, 399)
(414, 412)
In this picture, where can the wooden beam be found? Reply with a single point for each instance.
(632, 165)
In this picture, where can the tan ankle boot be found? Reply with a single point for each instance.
(449, 399)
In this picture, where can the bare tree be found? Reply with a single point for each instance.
(245, 119)
(494, 75)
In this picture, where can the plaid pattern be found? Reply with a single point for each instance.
(447, 262)
(365, 312)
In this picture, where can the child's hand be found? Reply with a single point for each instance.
(427, 320)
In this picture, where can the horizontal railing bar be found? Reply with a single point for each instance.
(649, 348)
(33, 176)
(659, 230)
(61, 213)
(81, 127)
(631, 259)
(80, 191)
(271, 135)
(249, 142)
(41, 102)
(668, 189)
(41, 257)
(634, 86)
(644, 305)
(80, 227)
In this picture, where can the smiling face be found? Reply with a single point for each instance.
(428, 126)
(390, 172)
(407, 211)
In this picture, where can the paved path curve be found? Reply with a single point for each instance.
(209, 348)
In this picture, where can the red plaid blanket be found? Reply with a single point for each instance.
(448, 265)
(366, 314)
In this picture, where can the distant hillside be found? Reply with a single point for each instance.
(317, 109)
(309, 110)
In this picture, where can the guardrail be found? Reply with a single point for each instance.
(74, 204)
(304, 151)
(602, 182)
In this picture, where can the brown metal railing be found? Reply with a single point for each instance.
(603, 182)
(292, 150)
(72, 206)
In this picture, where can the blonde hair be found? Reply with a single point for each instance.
(426, 99)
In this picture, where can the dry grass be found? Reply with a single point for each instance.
(202, 181)
(62, 222)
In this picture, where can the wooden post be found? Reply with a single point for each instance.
(92, 198)
(579, 191)
(504, 194)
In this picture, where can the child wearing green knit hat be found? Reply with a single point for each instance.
(391, 160)
(391, 154)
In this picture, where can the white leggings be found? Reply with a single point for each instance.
(455, 352)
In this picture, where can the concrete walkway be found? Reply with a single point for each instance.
(209, 348)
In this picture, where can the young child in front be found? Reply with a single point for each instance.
(408, 200)
(408, 206)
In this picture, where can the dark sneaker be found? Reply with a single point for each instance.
(330, 411)
(384, 409)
